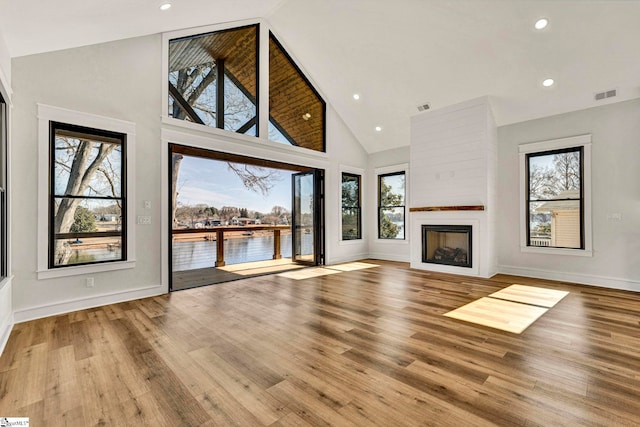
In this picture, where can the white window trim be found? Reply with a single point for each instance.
(403, 167)
(46, 114)
(558, 144)
(355, 171)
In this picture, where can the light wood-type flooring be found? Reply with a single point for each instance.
(368, 347)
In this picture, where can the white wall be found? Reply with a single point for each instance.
(615, 131)
(122, 80)
(346, 154)
(6, 307)
(5, 62)
(388, 249)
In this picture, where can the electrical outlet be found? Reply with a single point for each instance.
(144, 219)
(89, 283)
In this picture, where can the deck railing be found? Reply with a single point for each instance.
(218, 233)
(540, 241)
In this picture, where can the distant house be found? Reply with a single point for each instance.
(248, 221)
(565, 219)
(106, 217)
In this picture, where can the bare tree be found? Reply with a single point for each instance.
(81, 159)
(567, 171)
(254, 178)
(175, 167)
(196, 85)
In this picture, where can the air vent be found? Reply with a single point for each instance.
(606, 94)
(424, 107)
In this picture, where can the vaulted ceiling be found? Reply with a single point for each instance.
(396, 54)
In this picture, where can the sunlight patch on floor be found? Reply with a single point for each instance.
(259, 267)
(308, 273)
(533, 295)
(352, 266)
(499, 314)
(511, 309)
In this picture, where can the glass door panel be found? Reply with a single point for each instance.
(306, 217)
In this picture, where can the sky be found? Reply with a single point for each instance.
(212, 183)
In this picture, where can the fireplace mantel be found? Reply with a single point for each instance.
(447, 208)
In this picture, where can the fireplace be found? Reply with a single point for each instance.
(447, 244)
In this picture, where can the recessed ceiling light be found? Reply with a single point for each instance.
(541, 23)
(378, 129)
(547, 82)
(356, 96)
(165, 6)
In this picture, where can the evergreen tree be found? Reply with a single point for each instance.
(83, 221)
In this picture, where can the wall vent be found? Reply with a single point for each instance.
(606, 94)
(424, 107)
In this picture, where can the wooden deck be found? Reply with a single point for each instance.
(212, 275)
(365, 347)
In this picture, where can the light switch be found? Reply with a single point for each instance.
(147, 204)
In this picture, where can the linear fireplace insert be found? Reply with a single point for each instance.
(447, 244)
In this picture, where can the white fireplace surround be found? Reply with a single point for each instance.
(453, 171)
(418, 219)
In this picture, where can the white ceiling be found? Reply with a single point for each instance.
(396, 54)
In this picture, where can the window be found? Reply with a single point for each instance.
(556, 189)
(87, 196)
(351, 209)
(296, 110)
(3, 193)
(213, 79)
(555, 199)
(391, 206)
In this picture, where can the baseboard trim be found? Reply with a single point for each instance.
(583, 279)
(39, 312)
(6, 311)
(352, 258)
(387, 257)
(7, 327)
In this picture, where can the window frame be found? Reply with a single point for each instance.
(380, 176)
(186, 35)
(358, 207)
(310, 86)
(549, 147)
(231, 139)
(46, 115)
(54, 127)
(4, 176)
(529, 156)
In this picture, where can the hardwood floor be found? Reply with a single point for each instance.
(364, 347)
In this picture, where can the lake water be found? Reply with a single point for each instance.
(202, 254)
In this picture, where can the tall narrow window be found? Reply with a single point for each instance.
(555, 199)
(391, 206)
(87, 204)
(351, 210)
(296, 109)
(3, 190)
(213, 79)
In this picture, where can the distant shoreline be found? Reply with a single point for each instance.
(211, 235)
